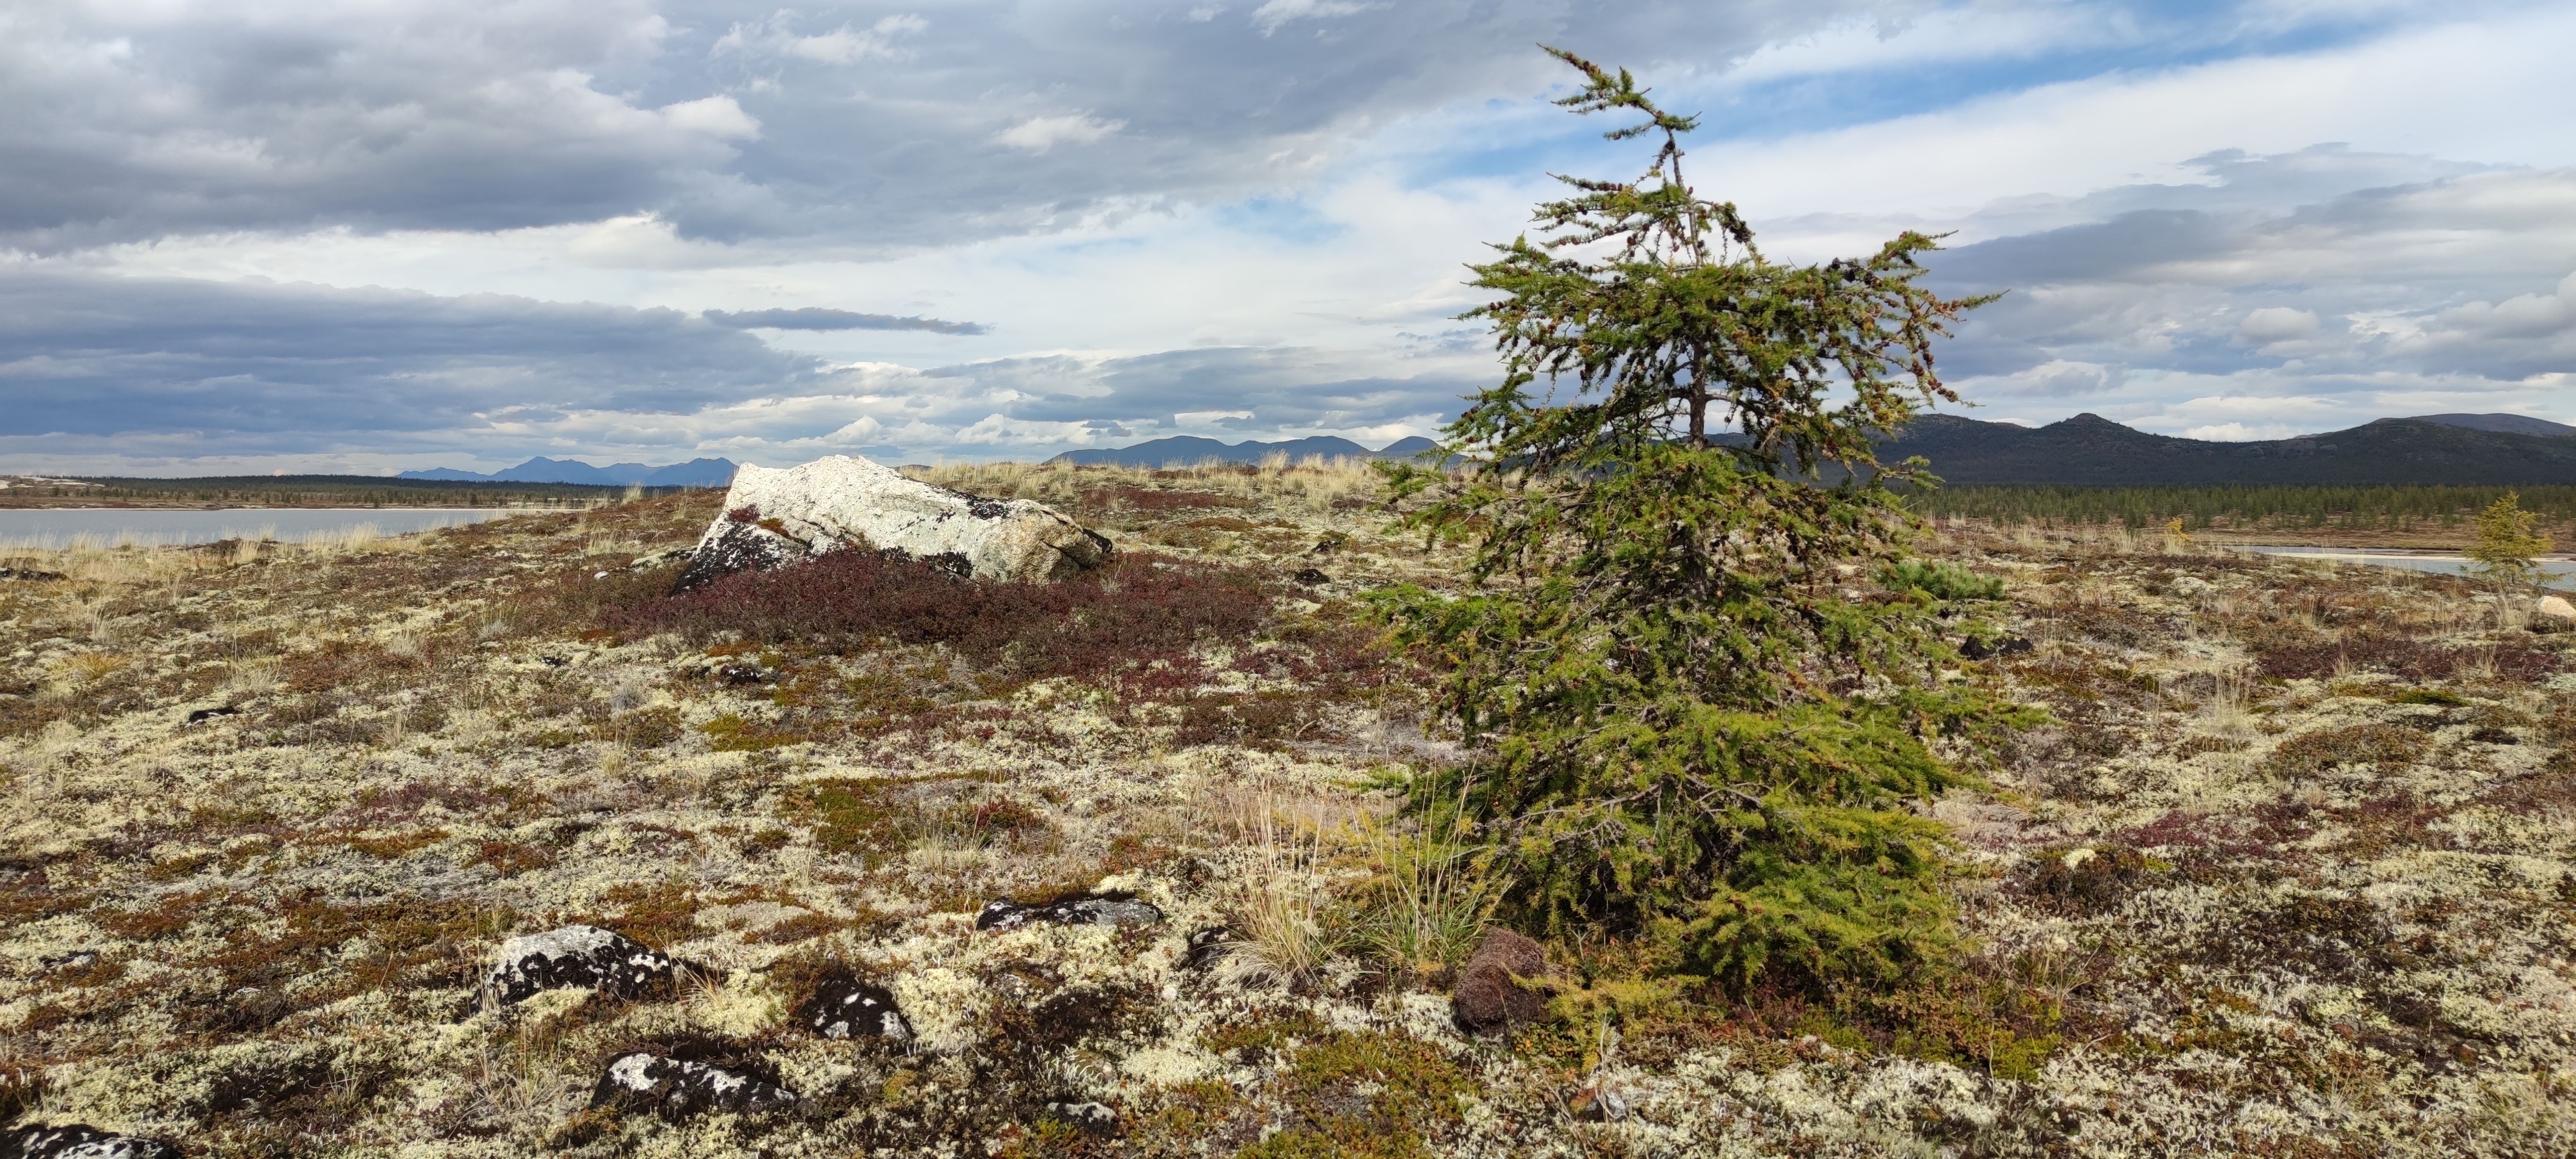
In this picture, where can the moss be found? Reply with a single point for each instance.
(1366, 1094)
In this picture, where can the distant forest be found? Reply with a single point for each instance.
(2241, 507)
(306, 491)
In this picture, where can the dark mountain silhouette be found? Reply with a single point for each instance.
(1182, 450)
(2518, 424)
(694, 473)
(2089, 449)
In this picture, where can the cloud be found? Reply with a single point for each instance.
(735, 121)
(818, 318)
(842, 45)
(716, 116)
(1039, 134)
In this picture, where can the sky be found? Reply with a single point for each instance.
(374, 235)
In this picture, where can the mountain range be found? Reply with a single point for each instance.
(694, 473)
(1181, 450)
(2092, 450)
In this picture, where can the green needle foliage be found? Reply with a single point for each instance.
(1698, 719)
(2509, 542)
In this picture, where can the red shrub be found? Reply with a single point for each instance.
(1136, 610)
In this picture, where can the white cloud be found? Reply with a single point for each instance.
(1039, 134)
(1270, 16)
(716, 116)
(776, 36)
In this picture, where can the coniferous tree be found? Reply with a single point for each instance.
(1697, 720)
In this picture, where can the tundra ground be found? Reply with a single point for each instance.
(2288, 872)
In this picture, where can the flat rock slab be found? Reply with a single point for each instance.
(1502, 986)
(772, 519)
(79, 1141)
(676, 1089)
(845, 1005)
(1090, 909)
(574, 957)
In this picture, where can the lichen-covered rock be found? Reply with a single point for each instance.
(676, 1089)
(774, 518)
(845, 1005)
(1491, 995)
(2556, 607)
(79, 1141)
(573, 957)
(1114, 908)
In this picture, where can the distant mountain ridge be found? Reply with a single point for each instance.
(2517, 424)
(2091, 450)
(694, 473)
(1186, 449)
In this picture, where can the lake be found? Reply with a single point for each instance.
(2560, 573)
(155, 527)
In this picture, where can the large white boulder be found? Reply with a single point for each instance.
(2557, 607)
(774, 518)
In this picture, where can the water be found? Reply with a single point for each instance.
(156, 527)
(2557, 573)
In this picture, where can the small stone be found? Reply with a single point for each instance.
(676, 1089)
(1976, 649)
(79, 1141)
(2556, 607)
(845, 1005)
(1598, 1105)
(1490, 996)
(573, 957)
(1089, 1117)
(1113, 908)
(1208, 944)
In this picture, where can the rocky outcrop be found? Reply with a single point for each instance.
(772, 519)
(573, 957)
(1088, 909)
(1504, 985)
(79, 1141)
(676, 1089)
(845, 1005)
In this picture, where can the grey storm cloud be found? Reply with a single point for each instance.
(2459, 274)
(873, 127)
(818, 318)
(88, 354)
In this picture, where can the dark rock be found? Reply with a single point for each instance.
(573, 957)
(1491, 996)
(79, 1141)
(77, 959)
(1089, 1117)
(203, 715)
(1207, 945)
(741, 546)
(676, 1089)
(1312, 576)
(1114, 908)
(845, 1005)
(1976, 649)
(746, 674)
(28, 573)
(1327, 546)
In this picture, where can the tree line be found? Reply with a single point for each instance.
(2237, 506)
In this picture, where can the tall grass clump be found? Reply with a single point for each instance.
(1688, 731)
